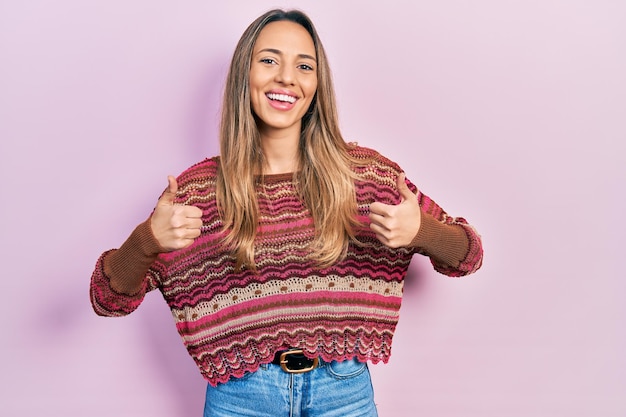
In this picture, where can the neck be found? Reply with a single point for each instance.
(281, 151)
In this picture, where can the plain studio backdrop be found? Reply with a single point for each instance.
(509, 113)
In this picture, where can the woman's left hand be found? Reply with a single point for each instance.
(397, 225)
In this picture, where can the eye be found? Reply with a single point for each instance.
(268, 61)
(305, 67)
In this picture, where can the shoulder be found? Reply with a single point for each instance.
(198, 182)
(372, 161)
(201, 171)
(377, 176)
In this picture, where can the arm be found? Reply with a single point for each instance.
(122, 276)
(120, 279)
(453, 246)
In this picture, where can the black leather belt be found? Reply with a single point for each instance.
(293, 361)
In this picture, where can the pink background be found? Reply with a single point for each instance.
(509, 113)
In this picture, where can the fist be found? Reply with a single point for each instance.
(175, 226)
(396, 225)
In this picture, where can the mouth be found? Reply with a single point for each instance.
(283, 98)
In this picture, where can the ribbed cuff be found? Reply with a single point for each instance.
(126, 267)
(446, 243)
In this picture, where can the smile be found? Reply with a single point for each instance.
(281, 97)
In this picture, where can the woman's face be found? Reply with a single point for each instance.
(283, 77)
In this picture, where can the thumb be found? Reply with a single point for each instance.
(405, 191)
(167, 198)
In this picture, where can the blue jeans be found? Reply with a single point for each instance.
(335, 389)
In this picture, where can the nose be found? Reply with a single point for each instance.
(286, 75)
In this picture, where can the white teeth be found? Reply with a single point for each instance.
(281, 97)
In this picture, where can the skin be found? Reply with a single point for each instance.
(174, 226)
(396, 225)
(283, 62)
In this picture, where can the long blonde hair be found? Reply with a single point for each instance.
(325, 180)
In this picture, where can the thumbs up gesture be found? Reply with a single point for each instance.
(396, 225)
(175, 226)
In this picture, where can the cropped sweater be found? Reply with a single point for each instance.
(233, 321)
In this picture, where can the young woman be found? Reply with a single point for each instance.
(283, 258)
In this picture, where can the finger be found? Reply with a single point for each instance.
(403, 188)
(379, 208)
(167, 198)
(376, 218)
(381, 237)
(194, 223)
(194, 233)
(378, 224)
(192, 212)
(172, 184)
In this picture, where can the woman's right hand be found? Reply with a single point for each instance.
(175, 226)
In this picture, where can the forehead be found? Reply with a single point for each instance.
(286, 36)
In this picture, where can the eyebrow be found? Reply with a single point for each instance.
(279, 52)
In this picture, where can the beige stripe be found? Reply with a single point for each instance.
(289, 286)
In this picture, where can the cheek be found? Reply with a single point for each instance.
(254, 102)
(255, 99)
(311, 89)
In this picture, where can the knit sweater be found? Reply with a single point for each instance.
(233, 321)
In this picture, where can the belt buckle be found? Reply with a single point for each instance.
(284, 361)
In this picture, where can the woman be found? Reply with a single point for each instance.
(283, 259)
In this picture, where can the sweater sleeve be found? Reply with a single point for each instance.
(453, 246)
(120, 279)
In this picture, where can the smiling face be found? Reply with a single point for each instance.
(283, 78)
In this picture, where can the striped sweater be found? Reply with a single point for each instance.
(232, 322)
